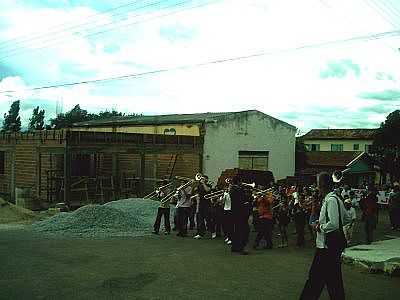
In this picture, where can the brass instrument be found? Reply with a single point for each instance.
(337, 176)
(252, 185)
(214, 195)
(261, 192)
(157, 190)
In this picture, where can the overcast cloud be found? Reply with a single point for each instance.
(340, 86)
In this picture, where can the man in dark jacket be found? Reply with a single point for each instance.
(240, 215)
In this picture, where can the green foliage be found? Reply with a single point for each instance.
(12, 121)
(77, 114)
(66, 120)
(36, 122)
(386, 147)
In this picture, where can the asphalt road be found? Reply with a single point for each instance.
(33, 266)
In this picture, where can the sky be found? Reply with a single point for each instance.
(352, 84)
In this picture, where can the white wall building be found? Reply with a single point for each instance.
(249, 140)
(246, 139)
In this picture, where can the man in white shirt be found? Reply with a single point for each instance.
(182, 209)
(348, 229)
(326, 267)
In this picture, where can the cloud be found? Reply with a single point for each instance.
(386, 95)
(384, 76)
(340, 69)
(286, 85)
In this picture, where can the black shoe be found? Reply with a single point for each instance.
(244, 252)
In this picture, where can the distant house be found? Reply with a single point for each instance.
(359, 165)
(339, 139)
(245, 139)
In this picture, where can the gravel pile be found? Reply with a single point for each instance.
(129, 217)
(10, 213)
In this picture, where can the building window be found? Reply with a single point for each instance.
(314, 147)
(253, 160)
(2, 162)
(336, 147)
(368, 148)
(356, 147)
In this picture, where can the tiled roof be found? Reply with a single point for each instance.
(330, 158)
(351, 134)
(169, 119)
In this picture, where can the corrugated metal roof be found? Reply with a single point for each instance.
(351, 134)
(169, 119)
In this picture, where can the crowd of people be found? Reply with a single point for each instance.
(327, 209)
(226, 213)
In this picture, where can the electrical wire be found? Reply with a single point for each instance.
(378, 11)
(350, 21)
(62, 39)
(375, 36)
(24, 38)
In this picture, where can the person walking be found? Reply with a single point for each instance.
(163, 210)
(369, 208)
(394, 207)
(326, 269)
(240, 204)
(264, 226)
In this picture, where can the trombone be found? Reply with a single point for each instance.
(158, 190)
(213, 195)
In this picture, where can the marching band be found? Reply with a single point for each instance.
(226, 212)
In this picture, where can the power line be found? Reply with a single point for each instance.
(385, 7)
(376, 9)
(62, 39)
(237, 58)
(348, 20)
(61, 25)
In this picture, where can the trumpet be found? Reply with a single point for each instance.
(252, 185)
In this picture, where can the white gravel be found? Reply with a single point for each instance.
(128, 217)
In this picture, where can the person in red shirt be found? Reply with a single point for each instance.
(369, 207)
(264, 221)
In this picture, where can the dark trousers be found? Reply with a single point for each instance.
(228, 224)
(182, 216)
(264, 230)
(162, 212)
(203, 218)
(300, 224)
(369, 226)
(192, 216)
(326, 269)
(219, 220)
(241, 230)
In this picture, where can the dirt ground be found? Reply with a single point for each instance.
(33, 266)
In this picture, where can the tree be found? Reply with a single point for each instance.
(73, 116)
(36, 122)
(12, 121)
(77, 114)
(386, 146)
